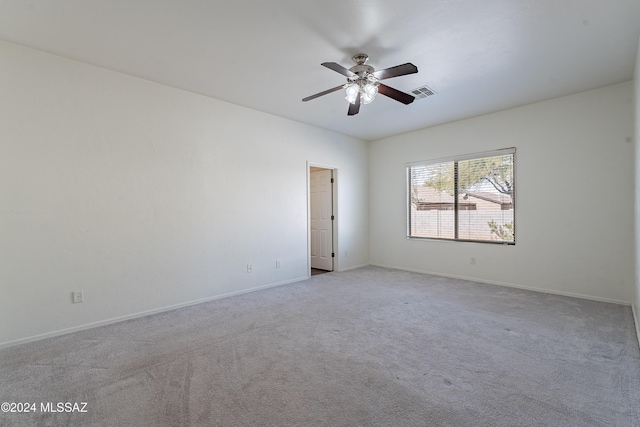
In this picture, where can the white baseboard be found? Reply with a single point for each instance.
(141, 314)
(635, 321)
(509, 285)
(354, 267)
(271, 285)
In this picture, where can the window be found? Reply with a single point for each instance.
(466, 198)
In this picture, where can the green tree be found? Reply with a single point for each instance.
(502, 232)
(496, 171)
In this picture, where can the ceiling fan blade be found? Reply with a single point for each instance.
(398, 70)
(338, 68)
(405, 98)
(354, 108)
(333, 89)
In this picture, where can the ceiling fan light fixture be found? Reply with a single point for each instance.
(369, 92)
(351, 90)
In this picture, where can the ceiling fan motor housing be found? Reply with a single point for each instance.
(360, 68)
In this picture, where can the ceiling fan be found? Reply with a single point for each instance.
(363, 82)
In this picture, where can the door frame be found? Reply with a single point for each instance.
(334, 202)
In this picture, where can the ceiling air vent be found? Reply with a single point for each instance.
(423, 92)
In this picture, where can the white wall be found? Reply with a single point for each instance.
(574, 219)
(146, 197)
(636, 81)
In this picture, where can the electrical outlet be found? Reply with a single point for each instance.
(249, 268)
(78, 296)
(473, 260)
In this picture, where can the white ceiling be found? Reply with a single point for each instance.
(479, 56)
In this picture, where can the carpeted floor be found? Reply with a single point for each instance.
(369, 347)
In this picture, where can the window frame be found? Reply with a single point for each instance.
(408, 192)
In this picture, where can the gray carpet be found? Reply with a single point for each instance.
(369, 347)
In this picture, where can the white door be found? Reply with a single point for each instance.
(321, 207)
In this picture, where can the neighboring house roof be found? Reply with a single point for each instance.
(428, 197)
(499, 198)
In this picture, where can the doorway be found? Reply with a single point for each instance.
(321, 219)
